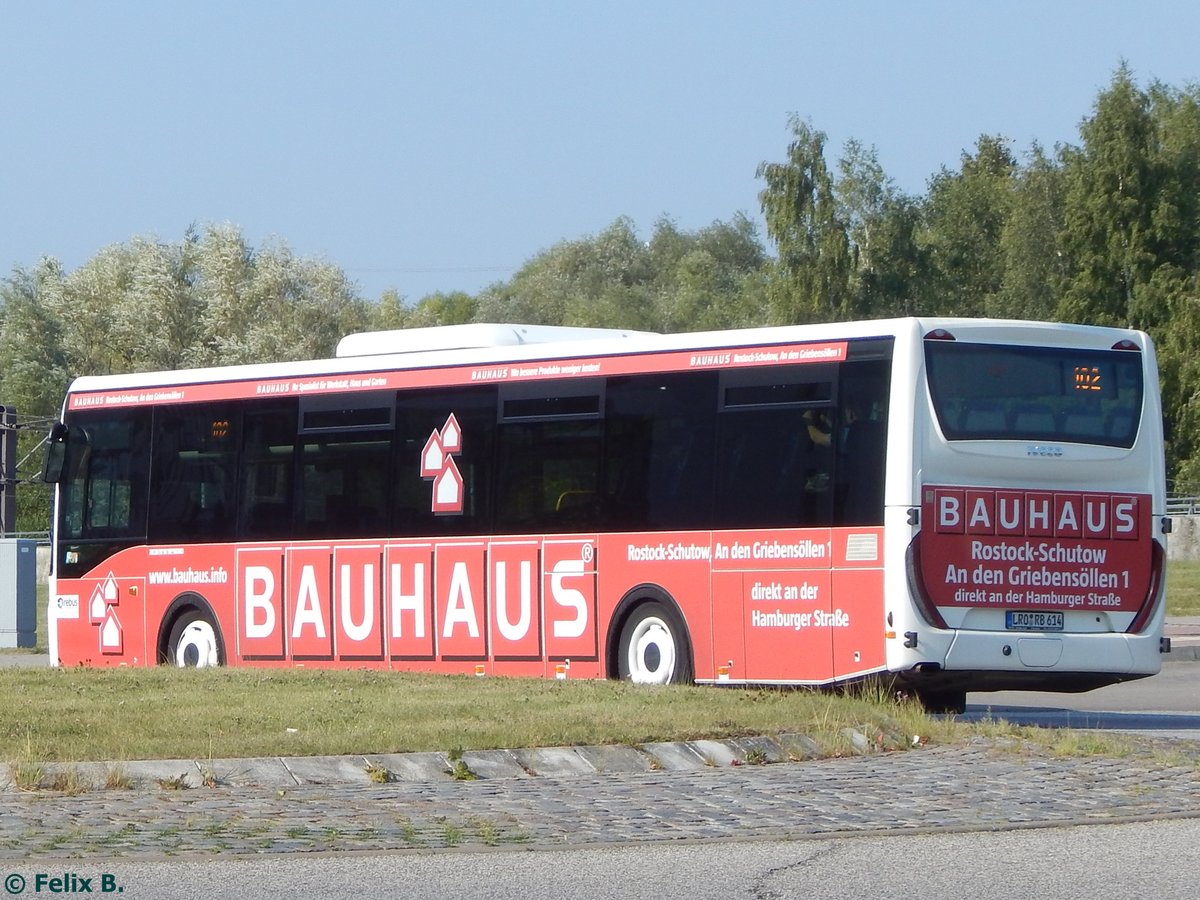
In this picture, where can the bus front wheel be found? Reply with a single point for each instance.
(654, 647)
(194, 642)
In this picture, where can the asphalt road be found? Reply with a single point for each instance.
(1163, 705)
(1153, 859)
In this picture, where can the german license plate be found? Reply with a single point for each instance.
(1032, 620)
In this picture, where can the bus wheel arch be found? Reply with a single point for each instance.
(648, 640)
(189, 636)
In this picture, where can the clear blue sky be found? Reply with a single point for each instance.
(439, 145)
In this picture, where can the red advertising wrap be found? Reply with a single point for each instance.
(781, 605)
(1041, 550)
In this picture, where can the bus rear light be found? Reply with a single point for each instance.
(940, 334)
(916, 587)
(1127, 345)
(1150, 604)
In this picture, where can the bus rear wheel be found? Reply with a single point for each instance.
(194, 642)
(943, 702)
(654, 647)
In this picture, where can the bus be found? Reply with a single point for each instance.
(953, 504)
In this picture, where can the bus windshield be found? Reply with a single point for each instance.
(1000, 392)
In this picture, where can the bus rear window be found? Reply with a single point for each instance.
(996, 392)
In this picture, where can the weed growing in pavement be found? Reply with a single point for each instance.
(173, 783)
(379, 774)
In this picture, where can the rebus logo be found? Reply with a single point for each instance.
(1034, 513)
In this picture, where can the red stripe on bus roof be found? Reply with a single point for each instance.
(454, 376)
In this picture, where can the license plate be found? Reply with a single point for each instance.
(1030, 620)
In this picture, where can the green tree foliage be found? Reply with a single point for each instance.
(146, 305)
(965, 217)
(1031, 263)
(804, 219)
(455, 308)
(676, 281)
(1131, 239)
(848, 244)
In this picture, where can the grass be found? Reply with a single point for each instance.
(163, 713)
(1183, 587)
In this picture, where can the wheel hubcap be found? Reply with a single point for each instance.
(651, 652)
(197, 647)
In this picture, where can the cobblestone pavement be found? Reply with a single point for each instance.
(977, 787)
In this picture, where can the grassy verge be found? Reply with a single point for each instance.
(88, 714)
(160, 713)
(1183, 588)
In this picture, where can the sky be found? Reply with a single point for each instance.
(438, 146)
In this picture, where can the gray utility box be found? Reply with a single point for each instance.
(18, 592)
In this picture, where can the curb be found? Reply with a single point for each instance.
(424, 767)
(1182, 653)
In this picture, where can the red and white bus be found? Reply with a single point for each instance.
(962, 504)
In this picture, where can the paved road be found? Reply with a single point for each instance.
(1145, 859)
(1164, 705)
(989, 786)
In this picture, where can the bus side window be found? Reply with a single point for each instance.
(345, 485)
(549, 475)
(770, 471)
(658, 457)
(108, 489)
(268, 449)
(194, 474)
(418, 415)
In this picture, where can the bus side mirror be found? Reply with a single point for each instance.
(56, 454)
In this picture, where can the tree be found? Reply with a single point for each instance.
(812, 280)
(1110, 200)
(882, 225)
(268, 304)
(676, 281)
(1032, 265)
(965, 216)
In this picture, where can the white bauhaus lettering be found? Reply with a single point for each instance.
(1066, 518)
(1010, 513)
(513, 631)
(981, 516)
(1039, 514)
(948, 511)
(258, 591)
(359, 631)
(1034, 513)
(412, 603)
(1124, 521)
(568, 598)
(460, 605)
(308, 605)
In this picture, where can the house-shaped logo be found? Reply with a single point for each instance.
(438, 466)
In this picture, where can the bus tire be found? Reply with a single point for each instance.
(195, 641)
(654, 647)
